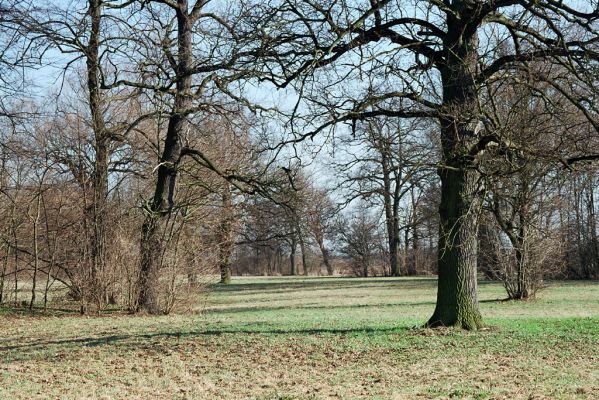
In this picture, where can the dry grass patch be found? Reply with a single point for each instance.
(349, 338)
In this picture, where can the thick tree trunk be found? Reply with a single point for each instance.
(160, 207)
(98, 209)
(163, 201)
(457, 303)
(393, 257)
(225, 271)
(522, 290)
(151, 259)
(393, 242)
(524, 284)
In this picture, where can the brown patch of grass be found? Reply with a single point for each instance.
(265, 343)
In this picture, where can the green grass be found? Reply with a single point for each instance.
(312, 338)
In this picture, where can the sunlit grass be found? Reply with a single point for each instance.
(312, 338)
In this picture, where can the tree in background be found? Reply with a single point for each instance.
(159, 97)
(522, 188)
(577, 219)
(321, 216)
(360, 239)
(386, 161)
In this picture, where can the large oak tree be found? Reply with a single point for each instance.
(436, 59)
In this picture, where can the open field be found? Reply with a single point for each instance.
(312, 338)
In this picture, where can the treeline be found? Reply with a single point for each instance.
(149, 144)
(375, 216)
(538, 219)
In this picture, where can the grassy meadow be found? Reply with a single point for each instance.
(312, 338)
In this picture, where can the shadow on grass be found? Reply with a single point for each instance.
(262, 288)
(241, 309)
(150, 340)
(315, 306)
(328, 283)
(17, 311)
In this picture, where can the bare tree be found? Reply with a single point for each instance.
(83, 34)
(360, 240)
(181, 80)
(431, 59)
(321, 214)
(264, 238)
(578, 222)
(385, 161)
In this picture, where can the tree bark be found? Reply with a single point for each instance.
(457, 303)
(98, 211)
(391, 205)
(226, 237)
(292, 256)
(163, 201)
(325, 257)
(303, 250)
